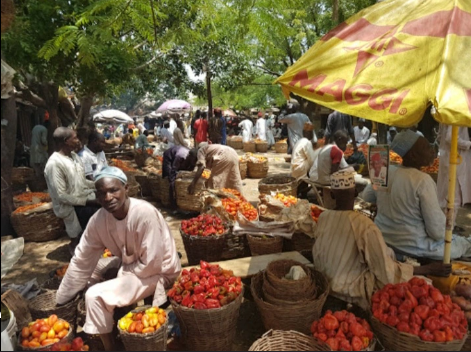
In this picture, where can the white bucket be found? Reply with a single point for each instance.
(9, 339)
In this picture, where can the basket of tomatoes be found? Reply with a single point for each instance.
(342, 331)
(144, 329)
(234, 206)
(204, 238)
(417, 316)
(41, 334)
(284, 185)
(206, 301)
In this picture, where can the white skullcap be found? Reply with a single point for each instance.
(343, 179)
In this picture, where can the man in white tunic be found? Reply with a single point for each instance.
(409, 214)
(362, 133)
(351, 252)
(463, 171)
(247, 127)
(261, 127)
(93, 155)
(303, 156)
(295, 122)
(270, 124)
(134, 231)
(73, 196)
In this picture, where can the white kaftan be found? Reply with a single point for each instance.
(410, 218)
(361, 135)
(150, 263)
(68, 187)
(172, 126)
(270, 124)
(92, 163)
(295, 124)
(463, 171)
(351, 252)
(246, 127)
(302, 158)
(261, 127)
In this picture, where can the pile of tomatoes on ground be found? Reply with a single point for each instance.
(234, 205)
(203, 225)
(419, 309)
(286, 200)
(315, 212)
(207, 287)
(343, 331)
(145, 322)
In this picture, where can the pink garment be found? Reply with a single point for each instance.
(150, 263)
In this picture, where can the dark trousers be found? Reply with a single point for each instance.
(84, 214)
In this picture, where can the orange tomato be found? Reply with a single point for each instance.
(43, 336)
(45, 328)
(62, 334)
(34, 344)
(59, 326)
(25, 332)
(139, 327)
(132, 327)
(148, 330)
(52, 320)
(35, 327)
(51, 334)
(47, 342)
(138, 317)
(36, 334)
(161, 319)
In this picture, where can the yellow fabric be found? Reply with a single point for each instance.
(448, 284)
(390, 61)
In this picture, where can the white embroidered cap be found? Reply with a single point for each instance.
(343, 179)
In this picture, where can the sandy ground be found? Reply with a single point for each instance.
(40, 259)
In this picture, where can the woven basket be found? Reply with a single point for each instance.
(44, 305)
(154, 185)
(164, 192)
(261, 147)
(281, 147)
(243, 169)
(296, 316)
(211, 329)
(22, 175)
(156, 341)
(38, 225)
(38, 184)
(143, 181)
(265, 245)
(19, 306)
(467, 344)
(67, 339)
(277, 270)
(81, 312)
(52, 284)
(249, 147)
(199, 248)
(277, 340)
(257, 170)
(394, 340)
(302, 242)
(236, 143)
(134, 190)
(236, 246)
(290, 290)
(186, 201)
(286, 185)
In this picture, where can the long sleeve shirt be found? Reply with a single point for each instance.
(361, 135)
(295, 123)
(178, 137)
(142, 241)
(338, 121)
(302, 158)
(351, 252)
(68, 187)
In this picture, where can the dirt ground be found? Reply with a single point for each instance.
(39, 259)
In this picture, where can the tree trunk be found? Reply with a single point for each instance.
(8, 142)
(335, 11)
(209, 93)
(86, 103)
(50, 93)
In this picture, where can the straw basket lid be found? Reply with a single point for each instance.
(277, 340)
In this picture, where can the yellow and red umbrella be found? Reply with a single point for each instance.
(389, 62)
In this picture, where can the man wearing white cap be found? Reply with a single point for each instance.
(134, 231)
(351, 251)
(392, 133)
(409, 214)
(372, 140)
(362, 133)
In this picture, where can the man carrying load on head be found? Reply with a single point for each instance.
(134, 231)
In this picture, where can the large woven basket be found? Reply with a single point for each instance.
(52, 284)
(296, 316)
(237, 143)
(154, 185)
(278, 340)
(199, 248)
(44, 305)
(134, 190)
(467, 344)
(281, 147)
(186, 201)
(265, 245)
(249, 147)
(211, 329)
(261, 147)
(257, 170)
(156, 341)
(22, 175)
(236, 246)
(145, 185)
(38, 225)
(286, 185)
(394, 340)
(243, 169)
(19, 306)
(164, 192)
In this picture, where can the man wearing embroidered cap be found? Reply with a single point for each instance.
(134, 231)
(351, 251)
(409, 214)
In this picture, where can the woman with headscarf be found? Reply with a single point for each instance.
(223, 162)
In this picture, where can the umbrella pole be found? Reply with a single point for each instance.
(451, 194)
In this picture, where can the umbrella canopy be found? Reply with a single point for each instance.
(229, 113)
(112, 116)
(389, 62)
(177, 106)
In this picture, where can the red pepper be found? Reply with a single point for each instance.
(411, 298)
(200, 297)
(418, 292)
(376, 297)
(314, 327)
(416, 281)
(212, 303)
(436, 295)
(449, 333)
(171, 293)
(414, 329)
(439, 336)
(200, 306)
(178, 298)
(427, 301)
(443, 308)
(384, 305)
(333, 343)
(214, 292)
(403, 327)
(432, 324)
(184, 279)
(205, 273)
(400, 291)
(344, 327)
(405, 307)
(330, 322)
(198, 289)
(404, 317)
(395, 301)
(212, 282)
(187, 301)
(393, 311)
(341, 315)
(185, 272)
(422, 311)
(426, 335)
(357, 344)
(384, 296)
(392, 321)
(340, 335)
(357, 330)
(195, 278)
(214, 270)
(415, 318)
(188, 286)
(345, 345)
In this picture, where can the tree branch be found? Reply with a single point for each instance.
(144, 65)
(34, 99)
(153, 19)
(266, 70)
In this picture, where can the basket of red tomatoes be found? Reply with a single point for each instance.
(342, 331)
(415, 316)
(204, 238)
(206, 301)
